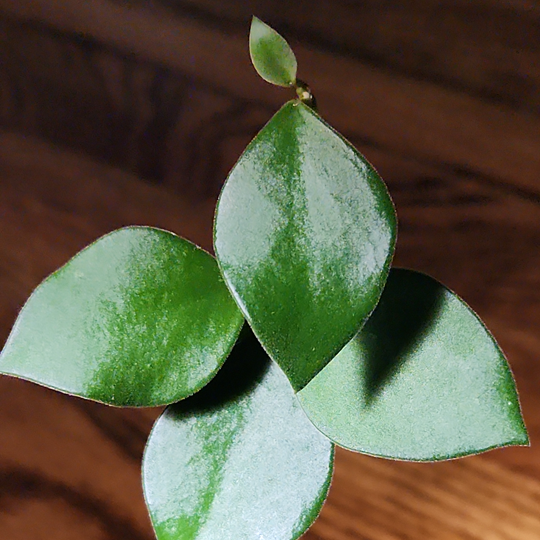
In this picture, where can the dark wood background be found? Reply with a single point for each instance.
(117, 112)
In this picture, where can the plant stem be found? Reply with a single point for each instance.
(303, 91)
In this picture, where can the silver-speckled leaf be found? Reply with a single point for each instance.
(239, 460)
(423, 380)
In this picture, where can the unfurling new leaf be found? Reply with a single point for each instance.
(304, 236)
(271, 55)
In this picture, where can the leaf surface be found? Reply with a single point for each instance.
(304, 234)
(140, 318)
(271, 55)
(423, 380)
(239, 460)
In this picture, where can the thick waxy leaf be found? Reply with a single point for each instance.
(141, 317)
(239, 460)
(304, 235)
(423, 380)
(271, 55)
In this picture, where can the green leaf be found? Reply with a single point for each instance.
(271, 55)
(239, 460)
(140, 318)
(304, 235)
(423, 380)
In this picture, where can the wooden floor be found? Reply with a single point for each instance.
(117, 112)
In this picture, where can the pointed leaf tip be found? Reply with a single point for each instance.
(271, 55)
(424, 380)
(304, 235)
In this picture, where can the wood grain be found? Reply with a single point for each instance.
(73, 465)
(485, 49)
(420, 116)
(117, 112)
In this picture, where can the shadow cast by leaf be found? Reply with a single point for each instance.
(243, 370)
(396, 328)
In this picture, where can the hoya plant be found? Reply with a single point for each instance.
(339, 348)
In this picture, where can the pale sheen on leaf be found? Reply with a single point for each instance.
(423, 380)
(239, 460)
(139, 318)
(304, 235)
